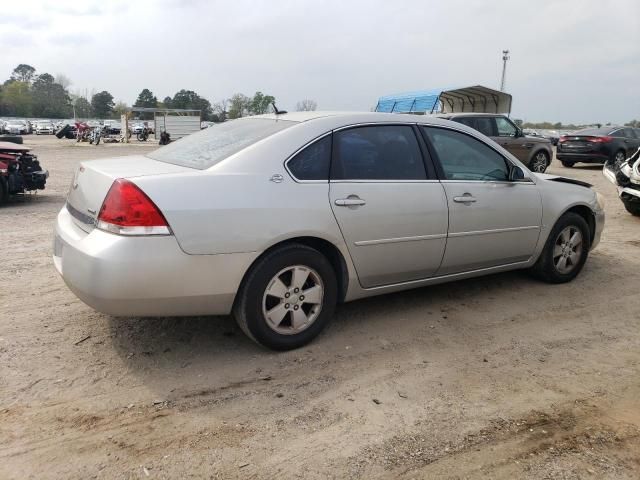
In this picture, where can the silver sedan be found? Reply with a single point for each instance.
(278, 218)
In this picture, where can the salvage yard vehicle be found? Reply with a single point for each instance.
(598, 145)
(44, 128)
(534, 151)
(20, 171)
(277, 218)
(16, 127)
(626, 176)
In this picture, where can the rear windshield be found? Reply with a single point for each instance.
(209, 146)
(595, 131)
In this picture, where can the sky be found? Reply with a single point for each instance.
(571, 60)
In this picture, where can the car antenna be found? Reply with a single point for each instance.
(276, 111)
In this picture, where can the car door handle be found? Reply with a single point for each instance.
(466, 198)
(351, 201)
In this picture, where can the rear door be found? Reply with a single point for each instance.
(492, 221)
(392, 213)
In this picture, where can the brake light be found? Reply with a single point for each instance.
(600, 139)
(127, 210)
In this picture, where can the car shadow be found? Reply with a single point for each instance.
(181, 354)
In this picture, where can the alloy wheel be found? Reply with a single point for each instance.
(567, 249)
(292, 300)
(539, 163)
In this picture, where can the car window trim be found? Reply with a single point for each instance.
(412, 125)
(440, 170)
(308, 144)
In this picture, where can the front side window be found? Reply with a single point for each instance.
(313, 162)
(463, 157)
(505, 128)
(385, 152)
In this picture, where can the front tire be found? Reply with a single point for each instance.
(565, 250)
(567, 164)
(632, 207)
(287, 298)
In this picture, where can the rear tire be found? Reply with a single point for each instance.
(539, 162)
(12, 138)
(632, 207)
(279, 272)
(565, 251)
(4, 191)
(567, 164)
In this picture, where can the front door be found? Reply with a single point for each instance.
(507, 137)
(492, 221)
(392, 216)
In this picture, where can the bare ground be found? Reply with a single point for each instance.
(499, 377)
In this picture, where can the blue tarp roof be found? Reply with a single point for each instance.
(440, 100)
(419, 101)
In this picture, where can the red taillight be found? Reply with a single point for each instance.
(600, 139)
(127, 210)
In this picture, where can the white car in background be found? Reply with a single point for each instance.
(17, 127)
(44, 128)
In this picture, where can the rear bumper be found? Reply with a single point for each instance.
(144, 276)
(582, 157)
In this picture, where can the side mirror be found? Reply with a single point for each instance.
(516, 174)
(519, 133)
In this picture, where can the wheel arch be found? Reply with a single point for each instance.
(331, 252)
(589, 216)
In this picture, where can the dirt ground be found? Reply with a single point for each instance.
(500, 377)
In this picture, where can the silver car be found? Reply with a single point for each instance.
(276, 219)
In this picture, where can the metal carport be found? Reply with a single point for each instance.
(467, 99)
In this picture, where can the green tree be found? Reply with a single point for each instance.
(50, 99)
(190, 100)
(239, 105)
(23, 73)
(167, 102)
(83, 107)
(146, 99)
(16, 99)
(260, 103)
(102, 104)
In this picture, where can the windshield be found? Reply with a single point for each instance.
(209, 146)
(595, 131)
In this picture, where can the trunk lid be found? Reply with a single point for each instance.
(93, 179)
(579, 143)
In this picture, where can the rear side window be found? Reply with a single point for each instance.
(313, 162)
(464, 158)
(483, 125)
(385, 152)
(209, 146)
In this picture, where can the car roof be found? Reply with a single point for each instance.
(354, 117)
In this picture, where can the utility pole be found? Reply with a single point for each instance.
(505, 57)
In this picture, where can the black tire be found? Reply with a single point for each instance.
(12, 138)
(535, 164)
(545, 268)
(618, 157)
(567, 164)
(4, 192)
(248, 308)
(632, 207)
